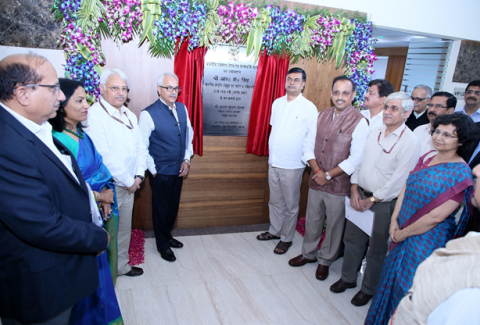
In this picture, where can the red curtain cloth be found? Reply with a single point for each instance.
(188, 67)
(269, 85)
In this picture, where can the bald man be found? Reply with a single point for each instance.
(48, 243)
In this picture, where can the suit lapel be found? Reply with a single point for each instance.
(29, 136)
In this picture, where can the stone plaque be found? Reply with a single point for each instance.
(228, 80)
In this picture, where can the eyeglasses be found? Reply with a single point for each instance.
(171, 89)
(470, 92)
(117, 89)
(418, 99)
(445, 134)
(338, 93)
(436, 106)
(57, 87)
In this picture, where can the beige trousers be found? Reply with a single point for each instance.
(322, 205)
(125, 209)
(284, 200)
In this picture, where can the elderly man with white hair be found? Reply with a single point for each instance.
(391, 152)
(115, 132)
(168, 134)
(421, 96)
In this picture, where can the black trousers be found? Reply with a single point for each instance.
(166, 191)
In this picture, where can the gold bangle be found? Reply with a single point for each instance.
(96, 195)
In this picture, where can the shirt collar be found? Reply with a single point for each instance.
(32, 126)
(376, 116)
(299, 98)
(463, 109)
(110, 109)
(174, 106)
(418, 115)
(397, 131)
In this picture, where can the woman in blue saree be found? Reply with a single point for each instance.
(424, 216)
(102, 306)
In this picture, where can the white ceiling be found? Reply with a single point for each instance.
(393, 38)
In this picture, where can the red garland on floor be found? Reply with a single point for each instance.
(301, 230)
(136, 253)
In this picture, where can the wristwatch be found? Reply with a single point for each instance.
(372, 199)
(328, 177)
(141, 177)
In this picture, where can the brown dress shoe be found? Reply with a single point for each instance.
(341, 286)
(300, 261)
(361, 299)
(322, 272)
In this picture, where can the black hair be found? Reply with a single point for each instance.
(451, 100)
(16, 74)
(467, 131)
(385, 88)
(298, 70)
(68, 87)
(343, 78)
(473, 83)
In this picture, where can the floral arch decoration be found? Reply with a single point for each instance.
(166, 25)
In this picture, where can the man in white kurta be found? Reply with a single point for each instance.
(293, 122)
(117, 137)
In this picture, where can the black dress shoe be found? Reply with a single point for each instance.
(322, 272)
(167, 254)
(341, 286)
(175, 243)
(300, 260)
(135, 271)
(361, 299)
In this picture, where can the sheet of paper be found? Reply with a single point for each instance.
(363, 220)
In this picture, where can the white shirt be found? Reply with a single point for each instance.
(374, 122)
(385, 174)
(147, 126)
(423, 134)
(294, 127)
(417, 115)
(475, 116)
(122, 149)
(44, 133)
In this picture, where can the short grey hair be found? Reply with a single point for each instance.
(162, 76)
(407, 102)
(426, 88)
(110, 72)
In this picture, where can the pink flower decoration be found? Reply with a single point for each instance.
(136, 253)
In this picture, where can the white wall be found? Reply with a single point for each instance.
(56, 57)
(442, 18)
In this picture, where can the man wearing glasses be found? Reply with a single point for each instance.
(341, 135)
(48, 242)
(472, 101)
(168, 135)
(441, 103)
(115, 133)
(391, 152)
(421, 95)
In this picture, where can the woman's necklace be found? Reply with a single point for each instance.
(79, 135)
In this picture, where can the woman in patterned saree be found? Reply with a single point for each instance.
(424, 216)
(102, 306)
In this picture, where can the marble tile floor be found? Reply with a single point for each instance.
(233, 279)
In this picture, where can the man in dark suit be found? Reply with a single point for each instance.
(421, 95)
(168, 134)
(48, 243)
